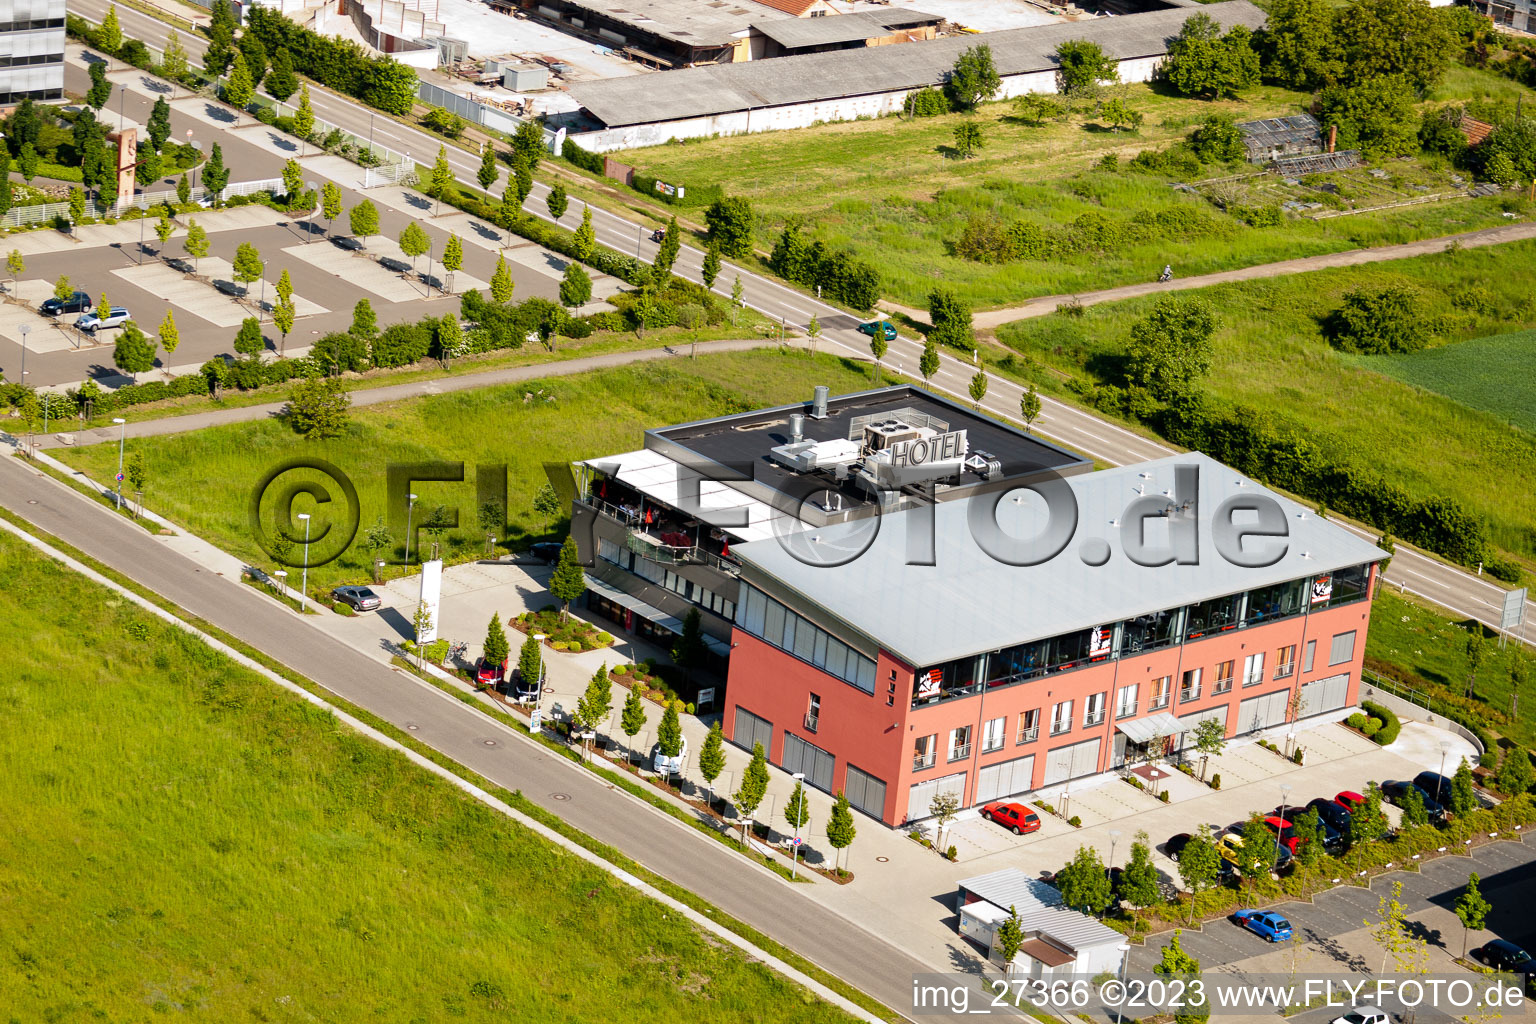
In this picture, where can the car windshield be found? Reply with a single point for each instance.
(1518, 956)
(363, 592)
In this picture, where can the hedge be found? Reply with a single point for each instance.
(340, 64)
(1390, 726)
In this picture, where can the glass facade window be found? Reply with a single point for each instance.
(1253, 670)
(1125, 701)
(1162, 686)
(923, 750)
(769, 620)
(1149, 632)
(1285, 661)
(1214, 616)
(1223, 677)
(1340, 587)
(993, 735)
(1093, 710)
(1061, 718)
(1189, 689)
(960, 743)
(1276, 602)
(1029, 726)
(945, 682)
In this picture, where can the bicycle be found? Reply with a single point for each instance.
(457, 649)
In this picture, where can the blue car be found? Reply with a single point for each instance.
(1265, 924)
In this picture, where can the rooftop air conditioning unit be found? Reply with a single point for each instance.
(880, 436)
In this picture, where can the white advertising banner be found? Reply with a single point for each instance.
(431, 597)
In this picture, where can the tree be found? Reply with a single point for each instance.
(1476, 650)
(63, 288)
(1170, 351)
(1082, 66)
(944, 806)
(547, 504)
(597, 700)
(1512, 143)
(530, 663)
(711, 269)
(364, 219)
(150, 167)
(1199, 864)
(1413, 808)
(496, 648)
(1463, 798)
(164, 229)
(170, 336)
(797, 811)
(284, 311)
(575, 286)
(1378, 116)
(669, 734)
(1029, 407)
(110, 35)
(951, 319)
(1309, 829)
(76, 206)
(248, 265)
(317, 407)
(1471, 910)
(330, 204)
(689, 650)
(586, 237)
(557, 201)
(1138, 882)
(712, 758)
(730, 226)
(101, 89)
(1035, 108)
(414, 242)
(492, 517)
(928, 362)
(666, 253)
(738, 298)
(754, 786)
(1218, 140)
(293, 181)
(282, 83)
(173, 61)
(441, 186)
(215, 174)
(248, 340)
(1203, 62)
(183, 190)
(567, 582)
(1119, 114)
(528, 143)
(522, 178)
(878, 346)
(1369, 823)
(255, 54)
(196, 242)
(1378, 321)
(1375, 39)
(303, 125)
(840, 827)
(967, 139)
(221, 36)
(453, 258)
(973, 78)
(488, 172)
(365, 322)
(501, 282)
(1296, 44)
(158, 128)
(633, 718)
(238, 87)
(103, 308)
(16, 264)
(1010, 936)
(1391, 933)
(1175, 961)
(1515, 774)
(1210, 741)
(27, 162)
(136, 470)
(1084, 883)
(134, 353)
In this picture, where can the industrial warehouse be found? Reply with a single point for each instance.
(853, 562)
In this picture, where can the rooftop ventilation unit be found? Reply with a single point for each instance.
(796, 427)
(808, 456)
(881, 435)
(819, 403)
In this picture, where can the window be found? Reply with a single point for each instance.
(1160, 690)
(993, 734)
(1189, 689)
(1061, 718)
(1285, 661)
(766, 618)
(923, 752)
(1343, 648)
(813, 715)
(1029, 726)
(1276, 602)
(1340, 587)
(1210, 617)
(960, 743)
(1253, 670)
(1125, 701)
(1093, 710)
(1149, 632)
(1223, 678)
(1306, 661)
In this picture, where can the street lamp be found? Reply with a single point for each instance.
(309, 230)
(304, 580)
(25, 329)
(121, 434)
(799, 777)
(1285, 792)
(538, 686)
(1114, 836)
(1445, 748)
(409, 508)
(198, 148)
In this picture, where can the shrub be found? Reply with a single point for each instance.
(1379, 321)
(1371, 727)
(1297, 755)
(1075, 821)
(952, 853)
(585, 159)
(1356, 721)
(1390, 726)
(1164, 796)
(266, 115)
(983, 240)
(1216, 781)
(927, 102)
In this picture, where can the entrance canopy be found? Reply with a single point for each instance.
(1144, 730)
(649, 611)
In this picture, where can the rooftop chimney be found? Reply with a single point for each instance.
(1333, 136)
(796, 427)
(819, 403)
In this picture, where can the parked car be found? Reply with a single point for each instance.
(1230, 846)
(489, 673)
(1264, 923)
(359, 599)
(1436, 785)
(79, 302)
(1365, 1015)
(661, 764)
(1333, 839)
(1503, 955)
(527, 689)
(1289, 840)
(1394, 791)
(1336, 823)
(1175, 844)
(1016, 818)
(546, 551)
(1350, 800)
(883, 326)
(90, 322)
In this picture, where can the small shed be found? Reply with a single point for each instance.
(524, 77)
(1275, 137)
(1056, 940)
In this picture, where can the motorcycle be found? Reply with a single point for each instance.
(1165, 276)
(658, 235)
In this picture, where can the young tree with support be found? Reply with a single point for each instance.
(330, 204)
(1084, 883)
(134, 353)
(248, 340)
(293, 181)
(878, 347)
(797, 811)
(575, 286)
(1199, 865)
(173, 60)
(530, 664)
(712, 759)
(666, 253)
(1139, 880)
(597, 701)
(364, 220)
(284, 314)
(689, 651)
(586, 237)
(496, 649)
(669, 734)
(979, 388)
(304, 125)
(633, 718)
(754, 786)
(238, 87)
(414, 242)
(711, 268)
(557, 202)
(453, 259)
(502, 284)
(170, 336)
(1210, 741)
(215, 175)
(568, 582)
(164, 229)
(488, 172)
(1010, 936)
(248, 265)
(928, 363)
(840, 830)
(441, 185)
(1471, 910)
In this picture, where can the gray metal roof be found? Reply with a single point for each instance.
(967, 601)
(692, 22)
(793, 33)
(1040, 909)
(808, 78)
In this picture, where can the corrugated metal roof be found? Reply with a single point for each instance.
(692, 22)
(967, 601)
(1150, 728)
(721, 88)
(1040, 909)
(794, 33)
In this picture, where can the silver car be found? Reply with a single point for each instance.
(91, 322)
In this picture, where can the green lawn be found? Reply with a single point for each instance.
(886, 188)
(1496, 375)
(184, 838)
(204, 480)
(1270, 355)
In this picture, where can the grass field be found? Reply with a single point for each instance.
(185, 838)
(1496, 374)
(886, 188)
(1270, 355)
(204, 480)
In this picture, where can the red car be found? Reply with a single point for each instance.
(1350, 801)
(1288, 837)
(1017, 818)
(488, 673)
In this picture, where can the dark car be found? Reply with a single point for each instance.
(1016, 818)
(489, 673)
(546, 551)
(1503, 955)
(359, 599)
(527, 689)
(883, 326)
(1335, 817)
(1175, 844)
(79, 302)
(1436, 785)
(1394, 791)
(1333, 839)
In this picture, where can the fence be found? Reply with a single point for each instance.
(42, 213)
(383, 154)
(482, 114)
(1412, 704)
(373, 177)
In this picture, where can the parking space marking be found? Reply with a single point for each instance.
(196, 297)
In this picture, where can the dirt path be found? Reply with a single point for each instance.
(987, 319)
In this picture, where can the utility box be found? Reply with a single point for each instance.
(524, 77)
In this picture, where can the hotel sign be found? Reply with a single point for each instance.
(925, 450)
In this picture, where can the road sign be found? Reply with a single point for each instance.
(796, 841)
(119, 478)
(1514, 609)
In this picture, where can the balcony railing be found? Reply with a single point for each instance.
(1222, 686)
(1092, 718)
(1187, 695)
(960, 753)
(1029, 734)
(1126, 710)
(810, 722)
(1286, 670)
(1158, 703)
(1058, 728)
(658, 550)
(991, 745)
(921, 761)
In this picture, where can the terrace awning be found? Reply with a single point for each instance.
(651, 613)
(1144, 730)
